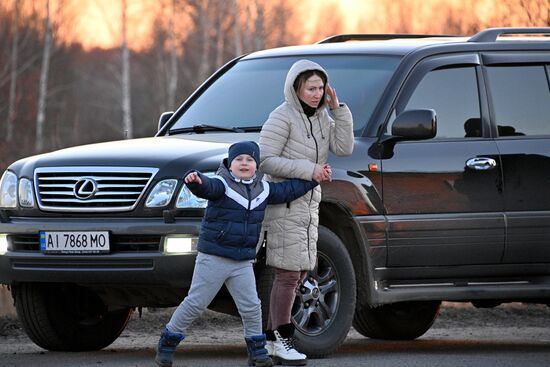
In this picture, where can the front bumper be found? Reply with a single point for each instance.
(131, 266)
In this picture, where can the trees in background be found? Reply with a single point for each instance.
(20, 54)
(13, 72)
(127, 124)
(43, 81)
(54, 94)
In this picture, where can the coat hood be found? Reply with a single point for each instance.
(296, 69)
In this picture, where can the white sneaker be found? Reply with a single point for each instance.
(284, 352)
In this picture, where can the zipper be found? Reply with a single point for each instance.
(315, 140)
(311, 196)
(247, 213)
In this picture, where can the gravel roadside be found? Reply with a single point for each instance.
(511, 322)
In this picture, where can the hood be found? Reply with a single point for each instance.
(174, 154)
(296, 69)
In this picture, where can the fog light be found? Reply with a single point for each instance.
(180, 244)
(3, 243)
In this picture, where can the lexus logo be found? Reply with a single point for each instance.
(85, 188)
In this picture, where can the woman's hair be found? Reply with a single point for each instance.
(305, 75)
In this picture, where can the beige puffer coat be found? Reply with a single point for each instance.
(290, 146)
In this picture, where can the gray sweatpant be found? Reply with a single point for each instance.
(210, 273)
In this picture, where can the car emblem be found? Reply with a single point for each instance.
(85, 188)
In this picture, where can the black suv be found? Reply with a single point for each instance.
(446, 195)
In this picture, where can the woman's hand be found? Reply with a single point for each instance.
(193, 177)
(322, 173)
(333, 98)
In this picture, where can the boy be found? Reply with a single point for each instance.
(230, 230)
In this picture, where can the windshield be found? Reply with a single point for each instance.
(244, 96)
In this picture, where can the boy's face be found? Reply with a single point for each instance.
(243, 166)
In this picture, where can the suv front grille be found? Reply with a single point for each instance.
(91, 189)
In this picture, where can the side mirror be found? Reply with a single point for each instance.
(163, 119)
(409, 125)
(415, 125)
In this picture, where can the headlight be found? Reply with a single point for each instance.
(8, 190)
(26, 195)
(161, 194)
(3, 243)
(180, 244)
(186, 199)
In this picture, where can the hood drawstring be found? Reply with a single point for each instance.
(305, 125)
(299, 102)
(307, 129)
(321, 127)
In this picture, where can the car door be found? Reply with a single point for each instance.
(519, 90)
(443, 197)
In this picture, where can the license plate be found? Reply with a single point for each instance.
(74, 242)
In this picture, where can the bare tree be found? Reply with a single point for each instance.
(126, 98)
(248, 28)
(43, 84)
(259, 26)
(219, 41)
(281, 22)
(238, 31)
(536, 12)
(13, 74)
(173, 76)
(204, 26)
(452, 19)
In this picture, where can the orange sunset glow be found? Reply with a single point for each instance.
(97, 23)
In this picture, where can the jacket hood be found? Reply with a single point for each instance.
(296, 69)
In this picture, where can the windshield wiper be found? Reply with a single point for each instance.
(201, 128)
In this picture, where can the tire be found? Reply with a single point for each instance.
(322, 325)
(61, 317)
(396, 321)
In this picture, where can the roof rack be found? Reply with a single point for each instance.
(491, 34)
(377, 37)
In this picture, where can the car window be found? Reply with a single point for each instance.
(453, 94)
(246, 94)
(521, 99)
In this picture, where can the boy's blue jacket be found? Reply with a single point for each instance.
(233, 218)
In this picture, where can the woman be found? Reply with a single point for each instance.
(294, 143)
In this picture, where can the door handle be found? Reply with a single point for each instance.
(481, 163)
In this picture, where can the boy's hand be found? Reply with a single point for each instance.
(322, 173)
(193, 177)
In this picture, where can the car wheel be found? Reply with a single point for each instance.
(396, 321)
(67, 317)
(325, 302)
